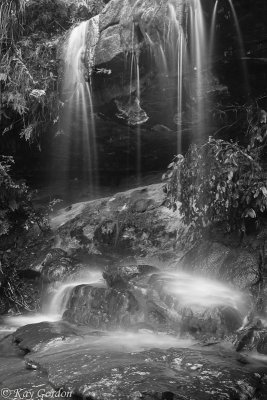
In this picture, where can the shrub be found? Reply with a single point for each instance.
(16, 208)
(217, 182)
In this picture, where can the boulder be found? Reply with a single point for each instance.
(55, 266)
(262, 343)
(37, 337)
(122, 276)
(102, 308)
(138, 296)
(237, 266)
(134, 222)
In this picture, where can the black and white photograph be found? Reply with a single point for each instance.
(133, 199)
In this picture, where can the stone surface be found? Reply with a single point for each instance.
(103, 369)
(237, 266)
(16, 380)
(125, 366)
(102, 308)
(121, 276)
(130, 223)
(262, 343)
(139, 295)
(55, 266)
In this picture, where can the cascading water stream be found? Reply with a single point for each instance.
(78, 121)
(57, 298)
(241, 45)
(212, 31)
(183, 52)
(56, 305)
(198, 57)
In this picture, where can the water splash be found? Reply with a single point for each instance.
(56, 301)
(56, 306)
(193, 290)
(78, 119)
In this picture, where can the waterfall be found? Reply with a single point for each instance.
(239, 38)
(56, 300)
(78, 119)
(241, 46)
(55, 305)
(182, 53)
(212, 30)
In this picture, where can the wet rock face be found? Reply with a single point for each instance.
(55, 266)
(252, 336)
(122, 276)
(126, 24)
(127, 29)
(236, 266)
(133, 222)
(101, 369)
(102, 308)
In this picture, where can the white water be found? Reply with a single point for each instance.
(198, 291)
(128, 341)
(59, 301)
(78, 120)
(56, 301)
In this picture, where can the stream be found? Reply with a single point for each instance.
(44, 355)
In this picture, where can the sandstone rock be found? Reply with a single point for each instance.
(262, 342)
(123, 276)
(102, 308)
(36, 337)
(56, 266)
(138, 298)
(251, 336)
(104, 370)
(211, 321)
(236, 266)
(133, 222)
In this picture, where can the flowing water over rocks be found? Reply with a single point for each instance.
(134, 325)
(129, 366)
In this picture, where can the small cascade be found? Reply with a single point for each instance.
(78, 119)
(60, 300)
(56, 301)
(56, 306)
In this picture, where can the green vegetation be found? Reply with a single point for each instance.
(16, 208)
(30, 68)
(221, 182)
